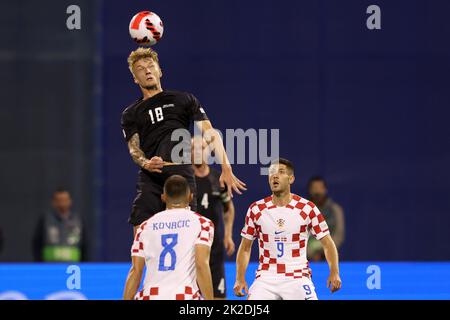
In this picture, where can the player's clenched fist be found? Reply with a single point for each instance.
(155, 164)
(334, 282)
(239, 286)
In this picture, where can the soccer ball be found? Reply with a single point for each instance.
(146, 28)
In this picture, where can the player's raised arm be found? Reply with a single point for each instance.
(153, 165)
(204, 278)
(134, 278)
(334, 281)
(242, 260)
(227, 177)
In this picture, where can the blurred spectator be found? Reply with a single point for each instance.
(59, 235)
(333, 214)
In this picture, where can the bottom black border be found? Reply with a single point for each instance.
(165, 310)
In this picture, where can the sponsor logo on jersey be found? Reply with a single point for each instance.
(171, 105)
(280, 223)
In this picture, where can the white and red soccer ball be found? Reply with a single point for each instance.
(146, 28)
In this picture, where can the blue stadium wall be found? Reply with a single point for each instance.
(366, 109)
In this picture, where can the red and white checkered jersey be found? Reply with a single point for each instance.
(167, 242)
(283, 233)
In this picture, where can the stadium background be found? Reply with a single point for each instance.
(366, 109)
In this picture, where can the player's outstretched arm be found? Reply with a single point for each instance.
(134, 277)
(153, 165)
(227, 177)
(334, 281)
(204, 278)
(242, 260)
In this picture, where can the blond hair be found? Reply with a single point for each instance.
(141, 53)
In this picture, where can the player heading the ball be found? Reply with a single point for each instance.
(148, 125)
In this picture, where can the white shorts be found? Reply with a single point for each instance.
(282, 289)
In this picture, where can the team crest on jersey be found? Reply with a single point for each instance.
(280, 223)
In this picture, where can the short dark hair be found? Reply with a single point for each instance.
(316, 179)
(176, 187)
(286, 162)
